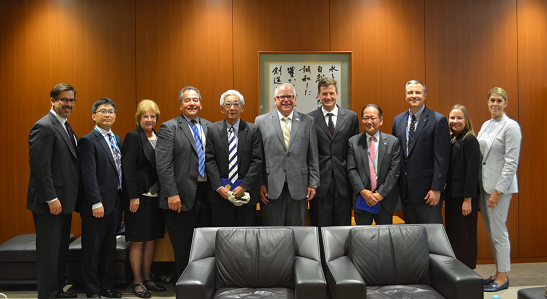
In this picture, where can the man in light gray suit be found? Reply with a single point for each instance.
(180, 162)
(334, 126)
(373, 169)
(291, 163)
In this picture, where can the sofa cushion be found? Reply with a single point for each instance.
(420, 291)
(21, 248)
(273, 293)
(75, 249)
(255, 258)
(390, 255)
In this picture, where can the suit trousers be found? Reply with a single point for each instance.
(494, 222)
(419, 214)
(226, 214)
(52, 240)
(284, 211)
(99, 251)
(365, 218)
(180, 227)
(331, 209)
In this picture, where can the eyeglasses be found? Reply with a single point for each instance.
(64, 101)
(288, 97)
(369, 118)
(229, 104)
(105, 112)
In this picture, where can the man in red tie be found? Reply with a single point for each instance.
(373, 170)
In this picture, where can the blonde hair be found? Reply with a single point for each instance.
(143, 107)
(499, 91)
(468, 126)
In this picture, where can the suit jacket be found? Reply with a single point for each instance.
(138, 163)
(463, 172)
(426, 165)
(389, 160)
(177, 161)
(99, 173)
(54, 167)
(333, 149)
(500, 156)
(298, 164)
(249, 158)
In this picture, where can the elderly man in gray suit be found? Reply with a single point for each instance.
(180, 162)
(291, 162)
(374, 161)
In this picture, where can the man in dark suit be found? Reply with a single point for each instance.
(373, 169)
(233, 151)
(180, 162)
(100, 159)
(425, 142)
(291, 161)
(53, 190)
(334, 126)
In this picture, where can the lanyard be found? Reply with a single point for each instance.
(114, 146)
(196, 133)
(370, 157)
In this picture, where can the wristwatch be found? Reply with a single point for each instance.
(498, 192)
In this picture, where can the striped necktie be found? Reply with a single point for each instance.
(286, 131)
(232, 156)
(199, 148)
(117, 155)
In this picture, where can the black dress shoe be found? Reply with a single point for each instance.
(62, 294)
(93, 295)
(111, 293)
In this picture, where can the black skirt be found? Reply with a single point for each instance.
(147, 223)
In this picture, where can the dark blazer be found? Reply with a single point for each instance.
(333, 149)
(99, 173)
(249, 158)
(389, 160)
(54, 167)
(177, 161)
(426, 165)
(138, 164)
(463, 172)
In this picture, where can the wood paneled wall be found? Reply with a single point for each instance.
(131, 50)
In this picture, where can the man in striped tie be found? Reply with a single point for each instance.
(233, 159)
(291, 161)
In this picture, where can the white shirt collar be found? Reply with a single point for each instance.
(61, 119)
(281, 115)
(334, 111)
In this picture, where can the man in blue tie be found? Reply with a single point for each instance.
(233, 159)
(180, 162)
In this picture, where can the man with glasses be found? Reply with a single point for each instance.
(374, 161)
(233, 159)
(425, 142)
(180, 162)
(291, 161)
(334, 126)
(53, 190)
(100, 159)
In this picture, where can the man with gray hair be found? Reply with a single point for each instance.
(180, 162)
(233, 159)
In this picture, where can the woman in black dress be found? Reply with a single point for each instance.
(143, 218)
(462, 187)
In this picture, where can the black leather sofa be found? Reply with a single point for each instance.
(395, 261)
(273, 262)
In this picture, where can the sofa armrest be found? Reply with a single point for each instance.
(310, 281)
(454, 280)
(344, 280)
(197, 280)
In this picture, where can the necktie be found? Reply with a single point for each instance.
(199, 148)
(372, 168)
(286, 131)
(411, 130)
(232, 156)
(70, 134)
(117, 160)
(331, 124)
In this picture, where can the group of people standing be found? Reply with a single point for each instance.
(195, 173)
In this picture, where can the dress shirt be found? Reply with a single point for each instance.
(409, 120)
(236, 130)
(334, 115)
(289, 120)
(202, 136)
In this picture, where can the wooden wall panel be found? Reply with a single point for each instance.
(471, 46)
(88, 44)
(270, 25)
(182, 43)
(532, 79)
(387, 41)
